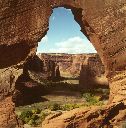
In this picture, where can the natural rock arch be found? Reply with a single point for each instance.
(24, 22)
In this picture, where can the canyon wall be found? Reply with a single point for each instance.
(24, 22)
(88, 68)
(70, 64)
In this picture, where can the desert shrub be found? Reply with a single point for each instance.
(32, 117)
(25, 116)
(68, 107)
(32, 122)
(55, 107)
(36, 111)
(90, 98)
(100, 103)
(43, 115)
(37, 119)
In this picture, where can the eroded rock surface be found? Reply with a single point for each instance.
(24, 22)
(87, 67)
(31, 84)
(70, 64)
(91, 117)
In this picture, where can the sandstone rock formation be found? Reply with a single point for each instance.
(29, 86)
(87, 67)
(92, 73)
(64, 61)
(69, 64)
(24, 22)
(91, 117)
(43, 68)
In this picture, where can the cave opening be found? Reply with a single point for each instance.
(64, 35)
(67, 44)
(65, 73)
(24, 23)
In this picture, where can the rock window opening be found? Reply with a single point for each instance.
(65, 73)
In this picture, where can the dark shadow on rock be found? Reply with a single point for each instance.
(32, 84)
(113, 112)
(27, 92)
(90, 73)
(13, 54)
(86, 80)
(34, 64)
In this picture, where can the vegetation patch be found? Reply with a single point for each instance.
(91, 99)
(32, 117)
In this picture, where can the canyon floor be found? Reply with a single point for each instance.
(64, 96)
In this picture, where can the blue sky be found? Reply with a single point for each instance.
(64, 35)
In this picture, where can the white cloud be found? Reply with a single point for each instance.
(69, 10)
(73, 45)
(44, 39)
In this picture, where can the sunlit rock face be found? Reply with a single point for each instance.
(88, 117)
(24, 22)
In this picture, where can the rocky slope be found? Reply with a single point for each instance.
(89, 117)
(24, 22)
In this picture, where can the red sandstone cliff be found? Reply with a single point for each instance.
(87, 67)
(24, 22)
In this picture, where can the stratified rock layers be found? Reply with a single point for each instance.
(91, 117)
(24, 22)
(87, 67)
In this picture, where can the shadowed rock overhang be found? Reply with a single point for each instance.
(103, 22)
